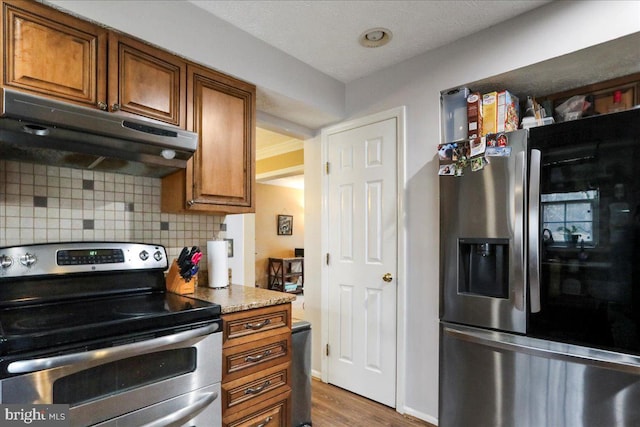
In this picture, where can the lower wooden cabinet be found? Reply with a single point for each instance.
(274, 412)
(255, 356)
(267, 383)
(256, 367)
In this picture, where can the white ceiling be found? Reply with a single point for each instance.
(324, 33)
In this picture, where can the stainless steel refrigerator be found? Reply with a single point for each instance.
(540, 280)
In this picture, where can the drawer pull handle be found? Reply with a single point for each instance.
(256, 326)
(258, 357)
(266, 421)
(258, 389)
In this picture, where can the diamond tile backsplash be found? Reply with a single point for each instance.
(41, 204)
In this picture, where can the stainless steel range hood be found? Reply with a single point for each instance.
(40, 130)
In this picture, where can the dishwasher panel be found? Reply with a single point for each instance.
(301, 373)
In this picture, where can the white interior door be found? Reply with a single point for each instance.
(362, 269)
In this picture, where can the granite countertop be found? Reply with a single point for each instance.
(238, 298)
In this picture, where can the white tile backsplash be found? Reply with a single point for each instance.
(45, 204)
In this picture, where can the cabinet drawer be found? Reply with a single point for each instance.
(246, 326)
(247, 391)
(252, 357)
(271, 413)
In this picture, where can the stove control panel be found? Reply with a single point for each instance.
(89, 256)
(80, 257)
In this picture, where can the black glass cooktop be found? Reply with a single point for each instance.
(31, 327)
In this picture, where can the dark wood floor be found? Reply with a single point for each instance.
(334, 407)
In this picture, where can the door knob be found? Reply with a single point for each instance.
(387, 277)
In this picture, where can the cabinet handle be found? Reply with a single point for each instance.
(191, 202)
(102, 105)
(258, 357)
(256, 326)
(266, 421)
(258, 389)
(115, 107)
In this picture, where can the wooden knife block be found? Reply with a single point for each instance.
(176, 284)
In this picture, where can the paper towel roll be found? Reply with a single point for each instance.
(217, 263)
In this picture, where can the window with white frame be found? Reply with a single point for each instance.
(573, 213)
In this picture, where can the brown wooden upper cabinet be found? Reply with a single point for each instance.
(220, 177)
(57, 55)
(53, 54)
(146, 81)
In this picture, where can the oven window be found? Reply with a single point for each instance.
(123, 375)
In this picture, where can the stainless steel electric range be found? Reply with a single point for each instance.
(90, 325)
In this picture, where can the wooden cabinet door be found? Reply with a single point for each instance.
(146, 81)
(274, 412)
(247, 391)
(246, 326)
(221, 174)
(247, 359)
(53, 54)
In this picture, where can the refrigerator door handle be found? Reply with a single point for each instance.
(493, 340)
(518, 235)
(534, 233)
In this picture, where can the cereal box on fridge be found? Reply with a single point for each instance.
(508, 112)
(474, 115)
(489, 113)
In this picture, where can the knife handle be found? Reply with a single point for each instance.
(183, 256)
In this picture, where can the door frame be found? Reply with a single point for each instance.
(399, 113)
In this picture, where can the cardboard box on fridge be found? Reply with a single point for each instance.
(489, 113)
(474, 115)
(507, 112)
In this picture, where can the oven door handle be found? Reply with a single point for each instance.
(104, 354)
(184, 414)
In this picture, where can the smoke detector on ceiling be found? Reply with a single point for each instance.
(375, 37)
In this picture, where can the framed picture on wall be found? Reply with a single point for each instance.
(285, 225)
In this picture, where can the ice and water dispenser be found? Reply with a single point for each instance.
(484, 267)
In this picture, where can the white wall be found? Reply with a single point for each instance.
(241, 228)
(554, 30)
(312, 247)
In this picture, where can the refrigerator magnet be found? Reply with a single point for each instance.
(460, 151)
(445, 151)
(447, 170)
(491, 139)
(478, 146)
(477, 164)
(502, 140)
(498, 152)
